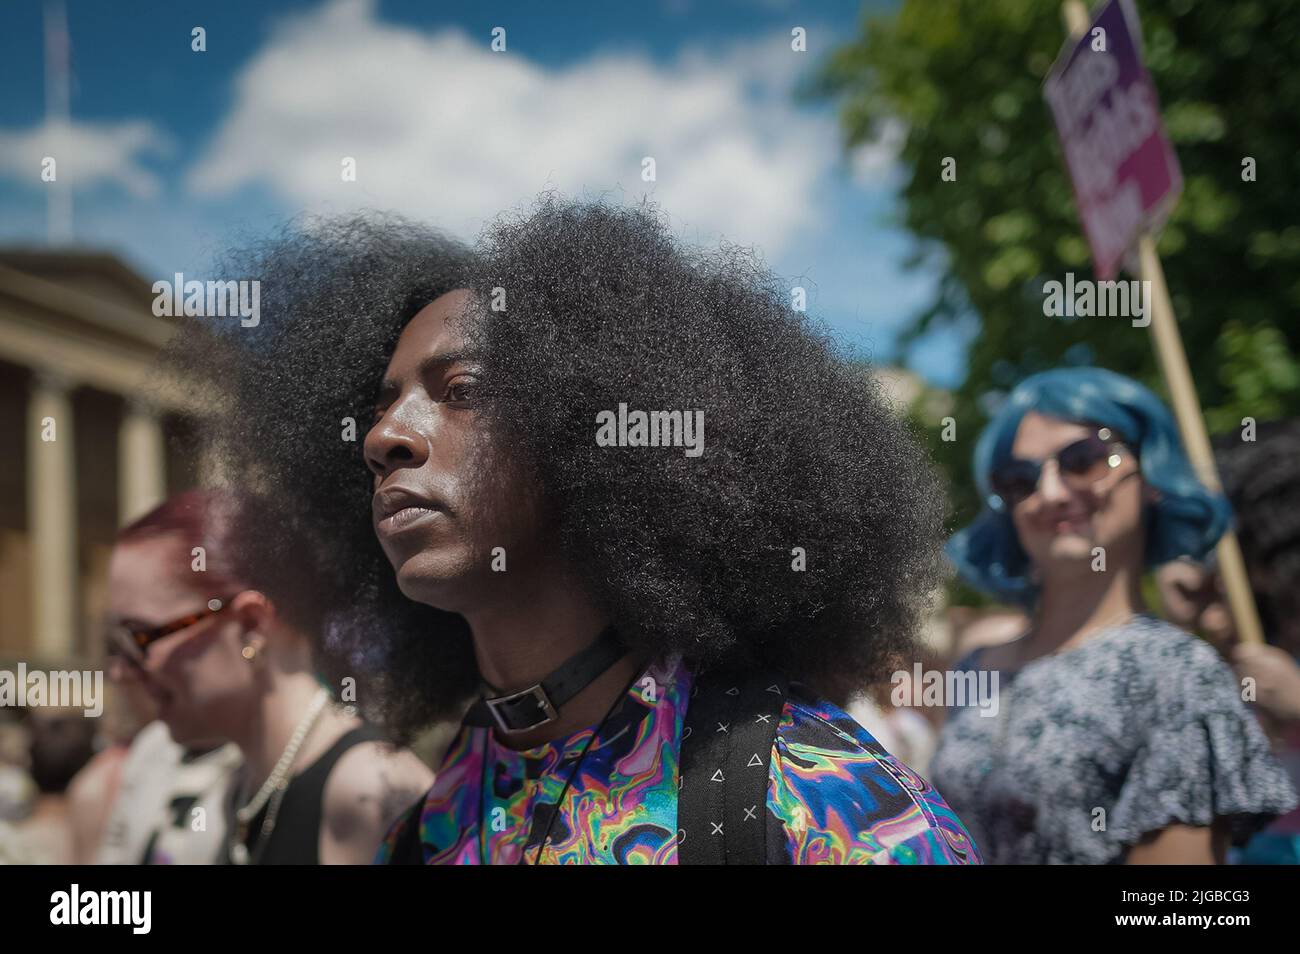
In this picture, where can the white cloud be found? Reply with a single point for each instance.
(446, 130)
(876, 162)
(86, 154)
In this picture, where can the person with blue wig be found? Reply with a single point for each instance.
(1111, 736)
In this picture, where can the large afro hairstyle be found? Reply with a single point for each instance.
(805, 539)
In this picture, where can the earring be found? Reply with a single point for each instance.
(249, 653)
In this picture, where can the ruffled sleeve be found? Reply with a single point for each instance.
(1203, 757)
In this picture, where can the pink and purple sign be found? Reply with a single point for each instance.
(1125, 174)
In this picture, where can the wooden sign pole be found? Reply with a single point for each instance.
(1187, 409)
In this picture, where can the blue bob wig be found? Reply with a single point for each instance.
(1187, 520)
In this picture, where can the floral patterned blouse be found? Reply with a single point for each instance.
(834, 795)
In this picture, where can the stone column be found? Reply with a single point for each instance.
(52, 517)
(141, 463)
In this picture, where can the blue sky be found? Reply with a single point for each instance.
(172, 154)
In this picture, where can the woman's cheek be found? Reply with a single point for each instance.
(1023, 520)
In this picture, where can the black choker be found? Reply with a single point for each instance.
(537, 705)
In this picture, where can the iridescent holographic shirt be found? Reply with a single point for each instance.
(834, 795)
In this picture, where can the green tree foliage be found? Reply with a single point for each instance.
(965, 78)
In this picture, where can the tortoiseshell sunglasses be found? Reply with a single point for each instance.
(133, 642)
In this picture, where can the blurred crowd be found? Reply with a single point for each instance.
(131, 788)
(191, 761)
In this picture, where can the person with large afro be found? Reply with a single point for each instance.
(612, 503)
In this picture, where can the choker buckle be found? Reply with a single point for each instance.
(523, 706)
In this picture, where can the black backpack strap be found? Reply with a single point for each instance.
(726, 757)
(407, 849)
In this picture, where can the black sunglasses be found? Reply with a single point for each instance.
(1081, 465)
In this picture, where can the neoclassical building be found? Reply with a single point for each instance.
(84, 442)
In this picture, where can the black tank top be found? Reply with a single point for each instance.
(296, 837)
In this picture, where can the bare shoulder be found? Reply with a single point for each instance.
(369, 788)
